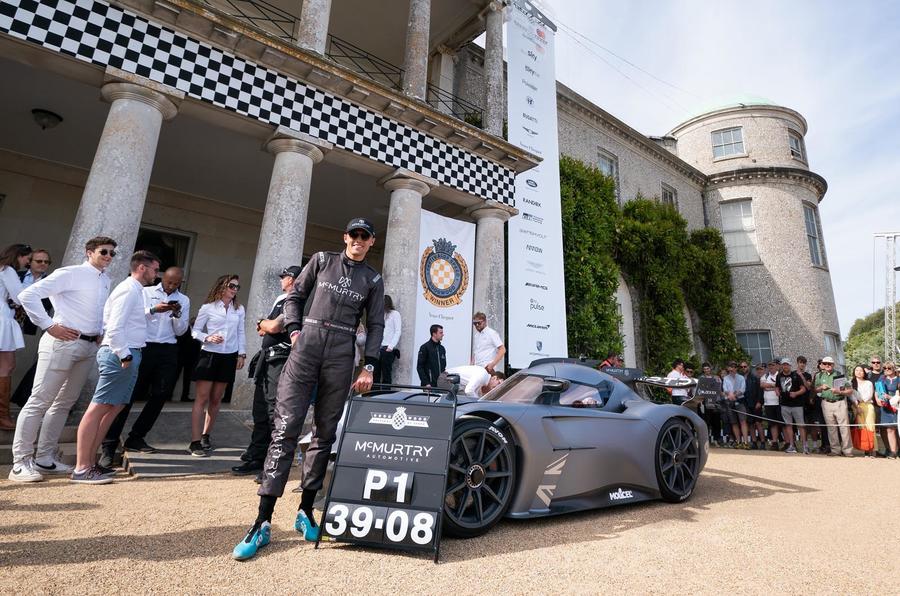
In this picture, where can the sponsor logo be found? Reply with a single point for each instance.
(399, 420)
(534, 326)
(621, 495)
(533, 233)
(499, 434)
(529, 100)
(383, 450)
(551, 473)
(532, 55)
(535, 264)
(531, 86)
(531, 183)
(538, 344)
(530, 217)
(530, 131)
(532, 71)
(531, 202)
(528, 284)
(443, 273)
(534, 248)
(529, 117)
(541, 34)
(535, 305)
(341, 289)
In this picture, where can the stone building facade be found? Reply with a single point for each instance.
(743, 169)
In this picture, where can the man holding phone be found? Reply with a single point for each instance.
(167, 311)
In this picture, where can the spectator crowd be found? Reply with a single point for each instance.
(782, 405)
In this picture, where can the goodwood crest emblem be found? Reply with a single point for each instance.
(443, 273)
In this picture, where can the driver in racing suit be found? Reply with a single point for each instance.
(336, 288)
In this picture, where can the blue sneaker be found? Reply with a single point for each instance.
(252, 542)
(306, 527)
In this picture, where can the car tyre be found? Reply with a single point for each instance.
(677, 460)
(480, 479)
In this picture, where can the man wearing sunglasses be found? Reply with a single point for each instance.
(65, 356)
(328, 299)
(266, 368)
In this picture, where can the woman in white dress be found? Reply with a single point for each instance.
(13, 258)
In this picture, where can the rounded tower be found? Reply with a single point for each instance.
(764, 198)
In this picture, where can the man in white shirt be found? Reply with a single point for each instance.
(65, 356)
(119, 357)
(771, 405)
(167, 312)
(679, 396)
(474, 380)
(487, 347)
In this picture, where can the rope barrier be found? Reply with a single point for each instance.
(783, 423)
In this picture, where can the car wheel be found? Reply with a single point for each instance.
(480, 478)
(677, 460)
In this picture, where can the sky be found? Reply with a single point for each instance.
(836, 62)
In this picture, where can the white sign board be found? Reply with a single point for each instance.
(446, 266)
(536, 284)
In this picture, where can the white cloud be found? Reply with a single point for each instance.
(835, 62)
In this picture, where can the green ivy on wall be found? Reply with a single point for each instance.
(652, 240)
(707, 287)
(589, 218)
(669, 268)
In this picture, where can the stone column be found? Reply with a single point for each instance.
(494, 108)
(282, 232)
(311, 31)
(401, 258)
(113, 200)
(489, 287)
(415, 56)
(443, 73)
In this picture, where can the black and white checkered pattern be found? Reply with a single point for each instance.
(95, 32)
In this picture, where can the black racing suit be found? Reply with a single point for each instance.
(336, 290)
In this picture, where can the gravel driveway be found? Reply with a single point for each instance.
(758, 522)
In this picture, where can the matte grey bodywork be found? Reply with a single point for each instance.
(571, 459)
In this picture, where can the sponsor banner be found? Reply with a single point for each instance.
(535, 289)
(446, 267)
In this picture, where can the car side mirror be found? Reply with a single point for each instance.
(552, 385)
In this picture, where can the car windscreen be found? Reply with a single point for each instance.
(519, 388)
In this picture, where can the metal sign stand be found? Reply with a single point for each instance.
(361, 506)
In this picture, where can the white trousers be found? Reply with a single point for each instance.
(62, 369)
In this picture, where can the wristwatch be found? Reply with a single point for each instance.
(369, 368)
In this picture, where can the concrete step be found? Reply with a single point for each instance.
(66, 443)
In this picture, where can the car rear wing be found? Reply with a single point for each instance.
(667, 383)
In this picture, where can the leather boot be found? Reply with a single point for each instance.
(6, 422)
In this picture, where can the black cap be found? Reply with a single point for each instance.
(293, 271)
(359, 223)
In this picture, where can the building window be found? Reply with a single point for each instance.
(739, 231)
(668, 195)
(834, 348)
(812, 235)
(758, 344)
(729, 141)
(173, 247)
(608, 164)
(797, 150)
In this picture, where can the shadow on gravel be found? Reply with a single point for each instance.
(23, 529)
(46, 507)
(513, 536)
(169, 546)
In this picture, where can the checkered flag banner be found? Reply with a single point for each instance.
(105, 35)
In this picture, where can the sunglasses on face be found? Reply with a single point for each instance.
(876, 362)
(477, 323)
(41, 261)
(235, 287)
(359, 235)
(105, 251)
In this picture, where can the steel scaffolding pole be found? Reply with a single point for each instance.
(890, 296)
